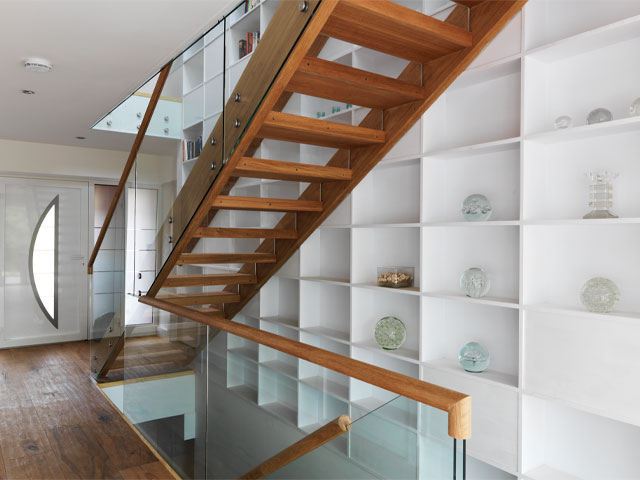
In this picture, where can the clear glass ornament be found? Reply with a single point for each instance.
(600, 295)
(476, 208)
(474, 357)
(475, 283)
(599, 115)
(563, 122)
(601, 194)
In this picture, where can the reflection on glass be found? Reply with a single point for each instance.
(43, 262)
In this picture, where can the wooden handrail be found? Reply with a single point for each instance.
(309, 443)
(155, 96)
(457, 405)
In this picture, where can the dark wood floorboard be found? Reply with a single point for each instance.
(55, 423)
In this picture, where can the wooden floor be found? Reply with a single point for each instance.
(55, 423)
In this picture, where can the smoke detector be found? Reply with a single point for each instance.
(38, 65)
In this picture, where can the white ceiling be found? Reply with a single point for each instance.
(102, 50)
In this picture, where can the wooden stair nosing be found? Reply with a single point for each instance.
(469, 3)
(289, 171)
(226, 202)
(213, 258)
(312, 131)
(200, 298)
(215, 312)
(390, 28)
(331, 80)
(208, 279)
(218, 232)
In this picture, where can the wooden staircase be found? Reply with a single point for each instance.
(437, 51)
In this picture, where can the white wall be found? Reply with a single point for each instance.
(42, 159)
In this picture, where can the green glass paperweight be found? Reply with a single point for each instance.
(474, 357)
(390, 333)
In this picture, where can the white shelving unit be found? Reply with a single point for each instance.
(560, 399)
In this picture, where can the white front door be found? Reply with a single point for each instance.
(44, 227)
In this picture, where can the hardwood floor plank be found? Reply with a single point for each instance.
(3, 472)
(80, 454)
(60, 413)
(41, 466)
(154, 470)
(22, 433)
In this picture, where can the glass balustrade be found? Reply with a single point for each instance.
(216, 405)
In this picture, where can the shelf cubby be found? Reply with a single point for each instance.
(193, 107)
(280, 300)
(448, 252)
(448, 325)
(563, 443)
(389, 194)
(192, 72)
(369, 306)
(573, 84)
(556, 184)
(495, 417)
(572, 371)
(448, 181)
(242, 376)
(274, 359)
(213, 95)
(325, 309)
(384, 247)
(506, 45)
(572, 254)
(327, 254)
(547, 23)
(278, 394)
(464, 114)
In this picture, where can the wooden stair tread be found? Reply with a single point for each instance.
(391, 28)
(265, 204)
(203, 279)
(205, 258)
(200, 298)
(289, 171)
(217, 232)
(312, 131)
(469, 3)
(215, 312)
(331, 80)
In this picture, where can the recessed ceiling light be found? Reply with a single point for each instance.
(81, 138)
(39, 65)
(28, 92)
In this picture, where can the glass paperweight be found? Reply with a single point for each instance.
(634, 108)
(476, 208)
(599, 295)
(395, 277)
(601, 194)
(475, 283)
(563, 122)
(390, 333)
(474, 357)
(599, 115)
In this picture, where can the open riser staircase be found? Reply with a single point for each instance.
(437, 52)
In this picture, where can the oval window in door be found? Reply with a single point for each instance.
(43, 262)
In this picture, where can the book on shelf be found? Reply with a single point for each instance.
(248, 45)
(191, 148)
(250, 5)
(242, 48)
